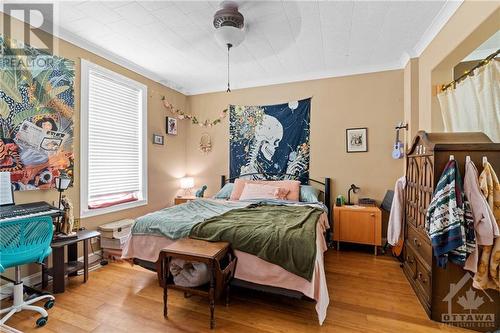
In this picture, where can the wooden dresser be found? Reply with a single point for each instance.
(440, 290)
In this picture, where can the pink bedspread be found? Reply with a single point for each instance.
(253, 269)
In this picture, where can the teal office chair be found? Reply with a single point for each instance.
(23, 242)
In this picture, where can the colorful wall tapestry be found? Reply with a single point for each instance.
(36, 116)
(272, 140)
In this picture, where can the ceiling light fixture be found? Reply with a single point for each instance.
(229, 23)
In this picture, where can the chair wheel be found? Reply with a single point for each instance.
(40, 322)
(49, 304)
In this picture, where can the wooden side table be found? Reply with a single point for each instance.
(357, 224)
(60, 268)
(210, 253)
(181, 200)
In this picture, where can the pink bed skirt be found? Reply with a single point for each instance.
(253, 269)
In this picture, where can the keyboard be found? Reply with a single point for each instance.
(16, 212)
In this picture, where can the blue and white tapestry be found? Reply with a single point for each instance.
(271, 140)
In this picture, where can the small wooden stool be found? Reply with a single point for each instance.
(214, 254)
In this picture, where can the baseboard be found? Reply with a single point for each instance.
(32, 280)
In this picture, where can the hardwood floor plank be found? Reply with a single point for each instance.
(367, 294)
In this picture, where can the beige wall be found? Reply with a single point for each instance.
(370, 100)
(472, 24)
(165, 163)
(411, 98)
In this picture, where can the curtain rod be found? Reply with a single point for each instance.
(467, 73)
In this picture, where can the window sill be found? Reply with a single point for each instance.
(100, 211)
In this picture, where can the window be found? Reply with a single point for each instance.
(113, 141)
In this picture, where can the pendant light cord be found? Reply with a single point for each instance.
(228, 85)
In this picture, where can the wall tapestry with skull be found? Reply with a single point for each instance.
(271, 140)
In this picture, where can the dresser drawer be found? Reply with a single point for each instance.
(410, 262)
(421, 244)
(423, 280)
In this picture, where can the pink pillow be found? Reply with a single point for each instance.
(292, 185)
(261, 191)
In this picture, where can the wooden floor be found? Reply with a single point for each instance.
(367, 294)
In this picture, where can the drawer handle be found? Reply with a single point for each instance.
(420, 276)
(409, 260)
(416, 242)
(372, 214)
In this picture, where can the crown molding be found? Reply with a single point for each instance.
(445, 13)
(351, 71)
(74, 39)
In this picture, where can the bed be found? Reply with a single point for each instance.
(304, 275)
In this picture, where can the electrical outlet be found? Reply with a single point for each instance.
(93, 240)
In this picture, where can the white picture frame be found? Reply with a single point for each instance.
(171, 124)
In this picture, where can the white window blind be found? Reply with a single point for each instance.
(114, 149)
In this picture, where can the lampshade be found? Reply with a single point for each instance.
(187, 183)
(229, 35)
(355, 188)
(62, 182)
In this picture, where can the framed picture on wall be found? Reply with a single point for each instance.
(356, 140)
(158, 139)
(171, 124)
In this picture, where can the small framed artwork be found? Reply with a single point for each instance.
(356, 140)
(171, 126)
(158, 139)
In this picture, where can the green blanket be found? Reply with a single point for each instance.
(284, 235)
(176, 222)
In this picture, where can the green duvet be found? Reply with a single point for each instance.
(283, 235)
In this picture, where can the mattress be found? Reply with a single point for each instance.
(147, 246)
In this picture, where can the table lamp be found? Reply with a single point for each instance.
(61, 184)
(187, 183)
(354, 189)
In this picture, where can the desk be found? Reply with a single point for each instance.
(60, 268)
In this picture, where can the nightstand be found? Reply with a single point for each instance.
(357, 224)
(181, 200)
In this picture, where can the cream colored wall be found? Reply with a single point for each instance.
(165, 163)
(369, 100)
(472, 24)
(411, 98)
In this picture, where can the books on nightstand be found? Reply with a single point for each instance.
(114, 236)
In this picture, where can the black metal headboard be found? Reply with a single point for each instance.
(326, 184)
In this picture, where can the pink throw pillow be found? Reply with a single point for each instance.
(292, 185)
(261, 191)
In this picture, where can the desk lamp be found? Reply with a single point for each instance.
(354, 189)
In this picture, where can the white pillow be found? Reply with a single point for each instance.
(261, 191)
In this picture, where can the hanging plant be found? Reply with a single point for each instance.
(182, 115)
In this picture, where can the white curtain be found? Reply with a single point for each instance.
(474, 105)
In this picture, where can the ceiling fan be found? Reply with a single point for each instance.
(229, 24)
(231, 27)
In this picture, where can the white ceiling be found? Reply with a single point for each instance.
(172, 41)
